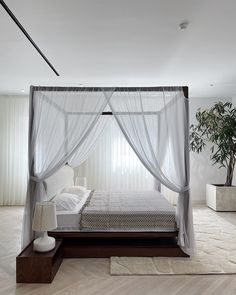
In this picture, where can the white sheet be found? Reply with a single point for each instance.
(71, 219)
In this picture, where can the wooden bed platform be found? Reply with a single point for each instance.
(107, 244)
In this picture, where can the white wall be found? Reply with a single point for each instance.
(201, 170)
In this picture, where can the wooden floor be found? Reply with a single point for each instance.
(91, 276)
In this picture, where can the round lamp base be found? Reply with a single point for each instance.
(44, 243)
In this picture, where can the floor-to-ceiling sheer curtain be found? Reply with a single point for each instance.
(113, 165)
(13, 149)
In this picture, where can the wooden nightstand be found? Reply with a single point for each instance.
(36, 267)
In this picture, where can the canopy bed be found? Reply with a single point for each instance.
(64, 125)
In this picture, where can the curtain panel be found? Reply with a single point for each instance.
(13, 150)
(156, 126)
(60, 122)
(90, 142)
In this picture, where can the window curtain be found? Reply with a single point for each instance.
(13, 149)
(156, 126)
(60, 121)
(113, 165)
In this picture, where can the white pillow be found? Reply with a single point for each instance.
(65, 201)
(76, 190)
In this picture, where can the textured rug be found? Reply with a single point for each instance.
(215, 250)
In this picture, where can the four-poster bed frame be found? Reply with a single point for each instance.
(106, 244)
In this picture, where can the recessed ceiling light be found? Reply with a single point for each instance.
(183, 25)
(211, 85)
(22, 90)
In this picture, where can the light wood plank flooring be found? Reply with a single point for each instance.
(91, 276)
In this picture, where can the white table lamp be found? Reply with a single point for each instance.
(44, 220)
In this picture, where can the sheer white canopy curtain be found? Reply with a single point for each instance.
(156, 126)
(60, 121)
(87, 147)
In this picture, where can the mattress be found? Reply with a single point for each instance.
(128, 211)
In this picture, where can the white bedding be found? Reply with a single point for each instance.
(71, 219)
(128, 210)
(125, 211)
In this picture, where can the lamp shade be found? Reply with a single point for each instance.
(44, 216)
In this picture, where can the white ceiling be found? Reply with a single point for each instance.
(121, 43)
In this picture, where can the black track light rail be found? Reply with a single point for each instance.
(13, 17)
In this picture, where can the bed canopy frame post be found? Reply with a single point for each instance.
(187, 131)
(27, 233)
(185, 91)
(66, 131)
(157, 184)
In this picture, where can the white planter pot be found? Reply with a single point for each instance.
(221, 198)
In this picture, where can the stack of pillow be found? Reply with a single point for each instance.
(70, 197)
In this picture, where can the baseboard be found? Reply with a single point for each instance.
(198, 202)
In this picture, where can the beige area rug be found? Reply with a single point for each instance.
(215, 235)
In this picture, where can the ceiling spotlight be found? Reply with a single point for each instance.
(81, 85)
(183, 25)
(211, 85)
(22, 90)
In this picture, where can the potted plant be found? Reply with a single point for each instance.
(217, 126)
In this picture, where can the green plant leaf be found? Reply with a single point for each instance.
(216, 125)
